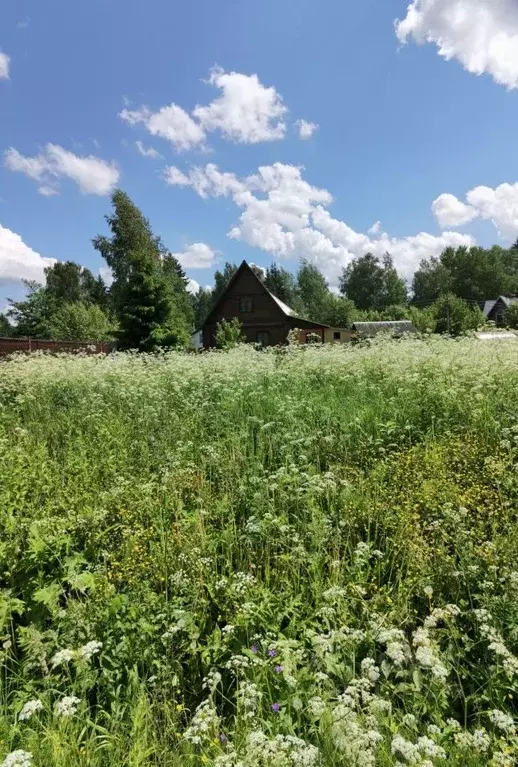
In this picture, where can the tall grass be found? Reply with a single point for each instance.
(298, 557)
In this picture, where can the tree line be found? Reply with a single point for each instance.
(148, 304)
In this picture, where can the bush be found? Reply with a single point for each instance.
(229, 333)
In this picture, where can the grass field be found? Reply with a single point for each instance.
(261, 560)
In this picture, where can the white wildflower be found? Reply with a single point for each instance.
(29, 709)
(369, 670)
(17, 759)
(316, 706)
(481, 740)
(500, 759)
(89, 649)
(433, 729)
(61, 657)
(204, 724)
(406, 749)
(429, 747)
(67, 706)
(501, 720)
(212, 680)
(409, 720)
(428, 590)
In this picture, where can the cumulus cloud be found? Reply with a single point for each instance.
(375, 229)
(171, 123)
(91, 174)
(4, 66)
(147, 151)
(306, 129)
(450, 211)
(284, 215)
(18, 261)
(196, 256)
(193, 286)
(246, 112)
(481, 34)
(499, 205)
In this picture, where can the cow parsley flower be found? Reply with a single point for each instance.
(29, 709)
(17, 758)
(61, 657)
(501, 720)
(89, 650)
(204, 724)
(67, 706)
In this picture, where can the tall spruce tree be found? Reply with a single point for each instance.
(149, 291)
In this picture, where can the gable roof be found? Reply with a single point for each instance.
(244, 267)
(505, 300)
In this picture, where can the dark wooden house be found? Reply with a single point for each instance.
(265, 319)
(496, 309)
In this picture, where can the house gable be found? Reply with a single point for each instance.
(264, 318)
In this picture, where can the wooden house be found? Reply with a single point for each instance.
(496, 309)
(265, 319)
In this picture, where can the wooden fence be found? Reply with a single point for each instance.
(27, 345)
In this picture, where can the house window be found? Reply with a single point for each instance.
(245, 304)
(336, 335)
(263, 338)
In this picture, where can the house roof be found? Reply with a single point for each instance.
(505, 300)
(394, 326)
(244, 266)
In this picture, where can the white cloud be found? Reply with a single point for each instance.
(499, 205)
(481, 34)
(375, 229)
(4, 66)
(147, 151)
(193, 286)
(107, 275)
(246, 112)
(306, 129)
(18, 261)
(91, 174)
(196, 256)
(284, 215)
(449, 211)
(171, 123)
(47, 191)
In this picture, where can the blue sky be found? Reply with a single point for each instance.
(418, 137)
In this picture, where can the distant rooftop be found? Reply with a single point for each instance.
(388, 326)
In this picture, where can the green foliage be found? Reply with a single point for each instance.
(470, 273)
(511, 316)
(229, 333)
(67, 282)
(31, 317)
(202, 303)
(317, 547)
(80, 322)
(454, 316)
(372, 284)
(282, 284)
(313, 291)
(6, 329)
(149, 292)
(221, 280)
(147, 315)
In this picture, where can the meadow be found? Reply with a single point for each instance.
(297, 558)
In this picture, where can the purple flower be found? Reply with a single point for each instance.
(254, 649)
(222, 738)
(276, 707)
(272, 653)
(278, 669)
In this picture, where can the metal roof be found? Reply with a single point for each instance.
(394, 326)
(490, 304)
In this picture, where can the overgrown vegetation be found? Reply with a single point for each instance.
(302, 557)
